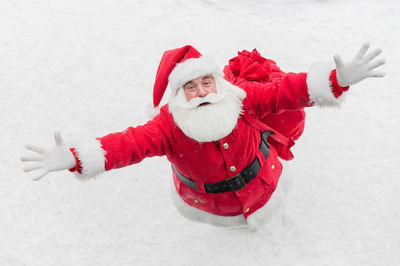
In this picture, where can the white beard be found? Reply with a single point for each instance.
(209, 122)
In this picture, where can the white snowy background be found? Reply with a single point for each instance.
(87, 68)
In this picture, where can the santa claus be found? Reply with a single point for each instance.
(214, 131)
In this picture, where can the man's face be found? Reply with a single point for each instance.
(203, 114)
(199, 87)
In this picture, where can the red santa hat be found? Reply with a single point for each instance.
(177, 67)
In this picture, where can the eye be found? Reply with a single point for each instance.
(207, 83)
(189, 87)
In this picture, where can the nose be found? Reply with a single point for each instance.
(202, 91)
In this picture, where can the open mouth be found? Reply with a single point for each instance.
(206, 103)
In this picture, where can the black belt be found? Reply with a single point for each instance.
(238, 181)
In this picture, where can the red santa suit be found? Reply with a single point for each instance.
(214, 161)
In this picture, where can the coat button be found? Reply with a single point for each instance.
(247, 210)
(225, 146)
(232, 169)
(273, 167)
(196, 201)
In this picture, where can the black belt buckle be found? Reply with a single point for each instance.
(236, 182)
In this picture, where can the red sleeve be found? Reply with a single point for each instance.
(288, 92)
(136, 143)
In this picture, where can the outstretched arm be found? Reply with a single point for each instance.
(91, 157)
(346, 74)
(136, 143)
(322, 85)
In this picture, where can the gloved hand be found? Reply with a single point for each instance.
(56, 159)
(349, 73)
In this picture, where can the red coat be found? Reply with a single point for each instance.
(209, 162)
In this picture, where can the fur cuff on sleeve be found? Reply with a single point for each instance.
(319, 86)
(91, 157)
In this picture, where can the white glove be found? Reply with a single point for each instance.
(359, 68)
(56, 159)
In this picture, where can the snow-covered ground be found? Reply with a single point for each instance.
(87, 68)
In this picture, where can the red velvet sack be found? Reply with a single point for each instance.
(252, 67)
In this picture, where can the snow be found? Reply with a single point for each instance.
(87, 68)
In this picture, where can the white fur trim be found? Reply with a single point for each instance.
(274, 207)
(198, 215)
(191, 69)
(271, 209)
(91, 156)
(255, 221)
(319, 86)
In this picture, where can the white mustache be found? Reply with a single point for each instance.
(209, 98)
